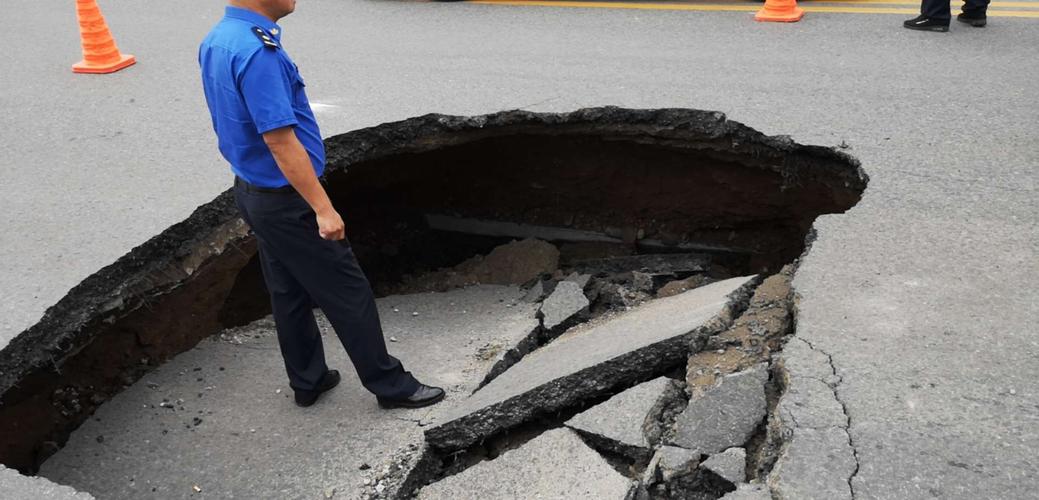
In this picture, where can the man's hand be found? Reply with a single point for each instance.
(330, 225)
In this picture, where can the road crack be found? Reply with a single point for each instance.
(835, 388)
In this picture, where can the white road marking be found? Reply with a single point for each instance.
(318, 107)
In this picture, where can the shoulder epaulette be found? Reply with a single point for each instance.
(264, 37)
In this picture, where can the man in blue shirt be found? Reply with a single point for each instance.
(267, 132)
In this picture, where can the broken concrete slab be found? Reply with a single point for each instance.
(799, 359)
(590, 361)
(14, 486)
(248, 422)
(730, 465)
(815, 464)
(810, 403)
(618, 423)
(748, 491)
(563, 306)
(810, 428)
(554, 465)
(726, 415)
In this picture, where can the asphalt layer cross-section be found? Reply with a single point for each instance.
(923, 296)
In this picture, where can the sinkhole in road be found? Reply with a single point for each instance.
(419, 195)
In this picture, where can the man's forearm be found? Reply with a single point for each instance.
(295, 164)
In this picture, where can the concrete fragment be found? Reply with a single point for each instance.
(673, 473)
(800, 359)
(618, 423)
(672, 461)
(517, 262)
(749, 492)
(14, 486)
(617, 297)
(587, 362)
(580, 279)
(662, 417)
(514, 263)
(811, 404)
(676, 287)
(565, 302)
(642, 282)
(816, 464)
(730, 465)
(536, 292)
(726, 415)
(554, 465)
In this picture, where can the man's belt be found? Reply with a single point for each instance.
(249, 188)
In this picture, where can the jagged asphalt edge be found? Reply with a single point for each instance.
(126, 281)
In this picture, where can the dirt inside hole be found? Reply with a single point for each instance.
(423, 194)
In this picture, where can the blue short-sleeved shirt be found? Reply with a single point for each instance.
(253, 87)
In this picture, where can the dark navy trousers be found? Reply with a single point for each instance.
(938, 9)
(302, 270)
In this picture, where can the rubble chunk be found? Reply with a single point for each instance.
(536, 292)
(580, 279)
(517, 262)
(678, 286)
(749, 492)
(726, 414)
(618, 423)
(556, 464)
(642, 282)
(730, 465)
(672, 461)
(565, 302)
(587, 362)
(513, 263)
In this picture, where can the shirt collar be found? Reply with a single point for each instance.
(254, 18)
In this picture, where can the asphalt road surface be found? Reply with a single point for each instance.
(924, 295)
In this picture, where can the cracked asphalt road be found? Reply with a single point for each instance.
(923, 295)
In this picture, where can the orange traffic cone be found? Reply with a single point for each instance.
(780, 11)
(100, 55)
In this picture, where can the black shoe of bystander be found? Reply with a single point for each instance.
(924, 23)
(975, 18)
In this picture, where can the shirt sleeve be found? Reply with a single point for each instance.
(267, 91)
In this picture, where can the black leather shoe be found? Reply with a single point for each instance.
(973, 17)
(924, 23)
(307, 398)
(424, 396)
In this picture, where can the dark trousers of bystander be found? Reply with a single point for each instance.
(940, 10)
(302, 270)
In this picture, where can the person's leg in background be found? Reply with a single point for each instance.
(974, 13)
